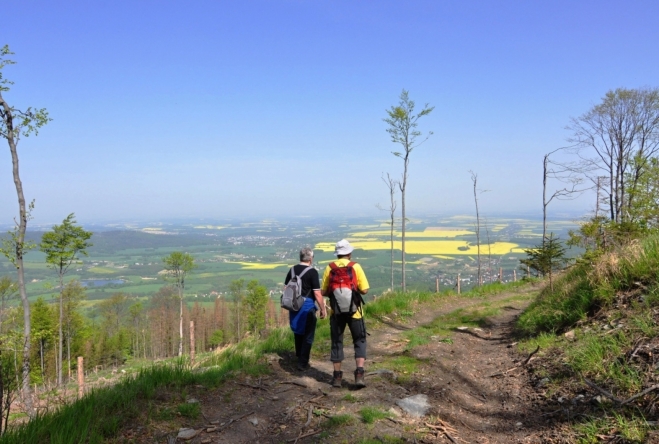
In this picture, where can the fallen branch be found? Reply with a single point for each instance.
(602, 391)
(255, 387)
(309, 415)
(301, 384)
(643, 393)
(530, 356)
(523, 364)
(313, 432)
(232, 421)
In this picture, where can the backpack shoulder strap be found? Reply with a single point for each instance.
(304, 271)
(292, 272)
(350, 264)
(333, 266)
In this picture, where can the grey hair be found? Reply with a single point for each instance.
(306, 254)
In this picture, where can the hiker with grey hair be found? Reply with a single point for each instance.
(303, 321)
(344, 282)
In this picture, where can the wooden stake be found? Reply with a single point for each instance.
(81, 377)
(437, 285)
(192, 348)
(528, 271)
(500, 275)
(458, 283)
(514, 275)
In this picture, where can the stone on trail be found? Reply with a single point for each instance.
(187, 434)
(254, 421)
(416, 406)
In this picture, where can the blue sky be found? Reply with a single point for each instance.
(217, 109)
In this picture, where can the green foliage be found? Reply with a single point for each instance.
(256, 300)
(371, 414)
(546, 258)
(178, 265)
(216, 338)
(63, 244)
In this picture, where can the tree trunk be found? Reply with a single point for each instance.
(402, 208)
(20, 241)
(180, 342)
(60, 341)
(474, 178)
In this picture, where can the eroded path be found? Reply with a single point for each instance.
(476, 385)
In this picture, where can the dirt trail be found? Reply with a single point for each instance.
(476, 386)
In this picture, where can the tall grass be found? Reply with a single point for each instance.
(588, 286)
(101, 413)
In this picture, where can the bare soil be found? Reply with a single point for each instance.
(479, 387)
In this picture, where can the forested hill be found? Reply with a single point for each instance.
(109, 242)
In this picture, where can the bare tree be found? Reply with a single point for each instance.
(619, 136)
(474, 179)
(15, 123)
(402, 128)
(568, 173)
(391, 186)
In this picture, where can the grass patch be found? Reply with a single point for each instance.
(101, 413)
(338, 421)
(189, 410)
(350, 398)
(399, 364)
(371, 414)
(631, 430)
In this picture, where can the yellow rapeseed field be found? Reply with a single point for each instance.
(429, 247)
(258, 265)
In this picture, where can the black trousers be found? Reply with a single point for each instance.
(304, 342)
(357, 328)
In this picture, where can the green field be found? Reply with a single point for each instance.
(437, 248)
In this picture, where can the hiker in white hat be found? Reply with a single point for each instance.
(344, 282)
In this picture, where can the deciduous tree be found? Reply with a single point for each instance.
(618, 137)
(14, 124)
(402, 128)
(178, 266)
(62, 247)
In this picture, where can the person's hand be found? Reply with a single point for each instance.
(323, 313)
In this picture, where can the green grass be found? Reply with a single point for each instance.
(100, 414)
(350, 398)
(586, 287)
(371, 414)
(189, 410)
(339, 420)
(631, 430)
(399, 364)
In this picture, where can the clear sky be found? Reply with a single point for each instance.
(216, 109)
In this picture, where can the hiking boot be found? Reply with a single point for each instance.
(337, 378)
(303, 367)
(359, 378)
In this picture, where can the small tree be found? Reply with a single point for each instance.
(15, 123)
(178, 265)
(402, 128)
(391, 186)
(256, 300)
(63, 246)
(546, 258)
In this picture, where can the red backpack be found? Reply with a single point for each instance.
(342, 287)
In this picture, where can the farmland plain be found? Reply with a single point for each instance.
(128, 257)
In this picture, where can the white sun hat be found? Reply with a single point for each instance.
(342, 248)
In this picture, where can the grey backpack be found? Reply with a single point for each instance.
(291, 298)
